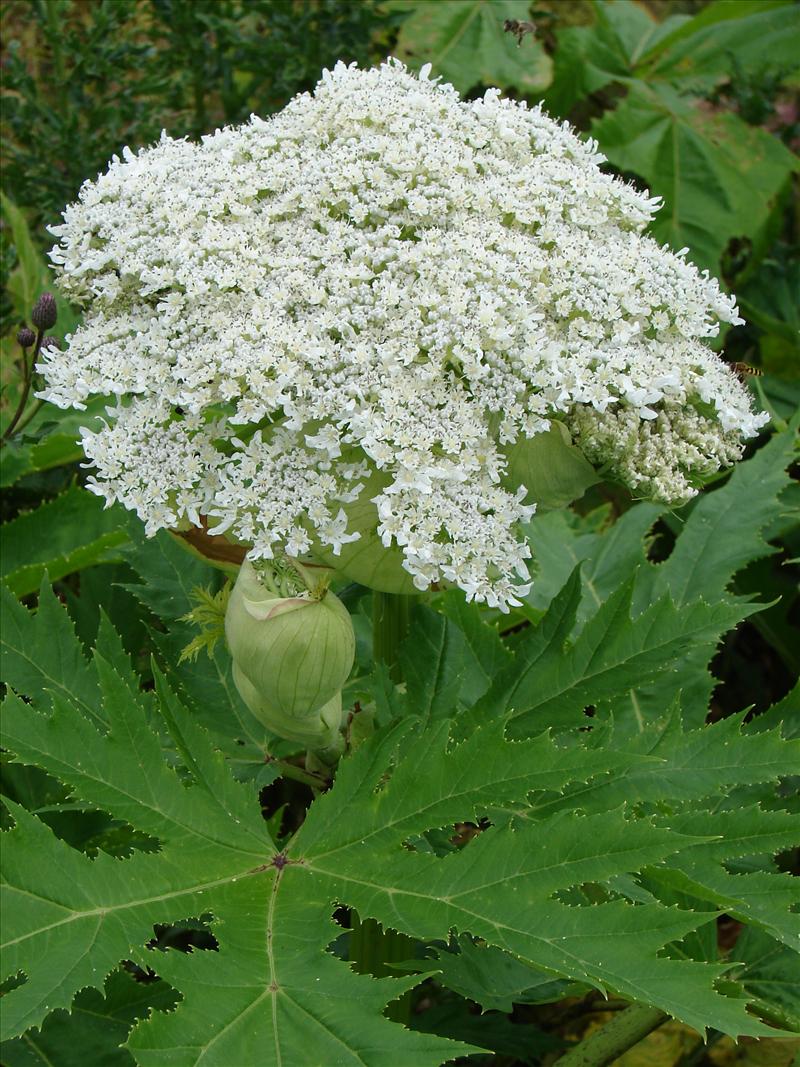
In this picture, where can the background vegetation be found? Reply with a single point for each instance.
(697, 101)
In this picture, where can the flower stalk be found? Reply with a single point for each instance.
(372, 948)
(608, 1043)
(43, 317)
(27, 377)
(391, 620)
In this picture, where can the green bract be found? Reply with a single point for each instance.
(318, 731)
(550, 467)
(292, 655)
(366, 561)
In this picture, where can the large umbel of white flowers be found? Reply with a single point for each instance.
(383, 282)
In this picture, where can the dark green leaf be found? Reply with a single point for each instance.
(496, 980)
(465, 42)
(727, 36)
(717, 175)
(95, 1028)
(67, 534)
(771, 976)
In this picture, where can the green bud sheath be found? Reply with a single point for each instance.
(318, 731)
(550, 467)
(366, 561)
(296, 652)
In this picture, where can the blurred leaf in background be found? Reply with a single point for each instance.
(87, 79)
(719, 177)
(650, 91)
(467, 44)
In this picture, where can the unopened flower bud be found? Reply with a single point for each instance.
(51, 342)
(294, 651)
(320, 731)
(44, 312)
(26, 337)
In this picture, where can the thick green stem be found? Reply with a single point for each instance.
(391, 617)
(371, 947)
(288, 770)
(617, 1036)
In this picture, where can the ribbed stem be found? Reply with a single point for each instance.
(618, 1035)
(372, 947)
(391, 617)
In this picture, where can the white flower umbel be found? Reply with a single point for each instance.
(383, 277)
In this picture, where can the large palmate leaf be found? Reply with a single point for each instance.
(495, 979)
(552, 682)
(51, 439)
(601, 645)
(169, 575)
(84, 924)
(588, 58)
(717, 537)
(750, 36)
(721, 536)
(608, 553)
(489, 654)
(169, 572)
(685, 767)
(18, 459)
(465, 42)
(434, 662)
(723, 533)
(272, 986)
(770, 972)
(698, 772)
(765, 897)
(449, 657)
(627, 43)
(719, 177)
(41, 655)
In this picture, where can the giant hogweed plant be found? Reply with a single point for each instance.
(385, 338)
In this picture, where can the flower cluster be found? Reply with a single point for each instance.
(383, 279)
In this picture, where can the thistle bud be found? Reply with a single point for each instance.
(292, 654)
(44, 312)
(50, 342)
(26, 337)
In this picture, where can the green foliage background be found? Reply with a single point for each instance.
(670, 629)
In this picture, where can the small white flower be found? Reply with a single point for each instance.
(335, 533)
(327, 440)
